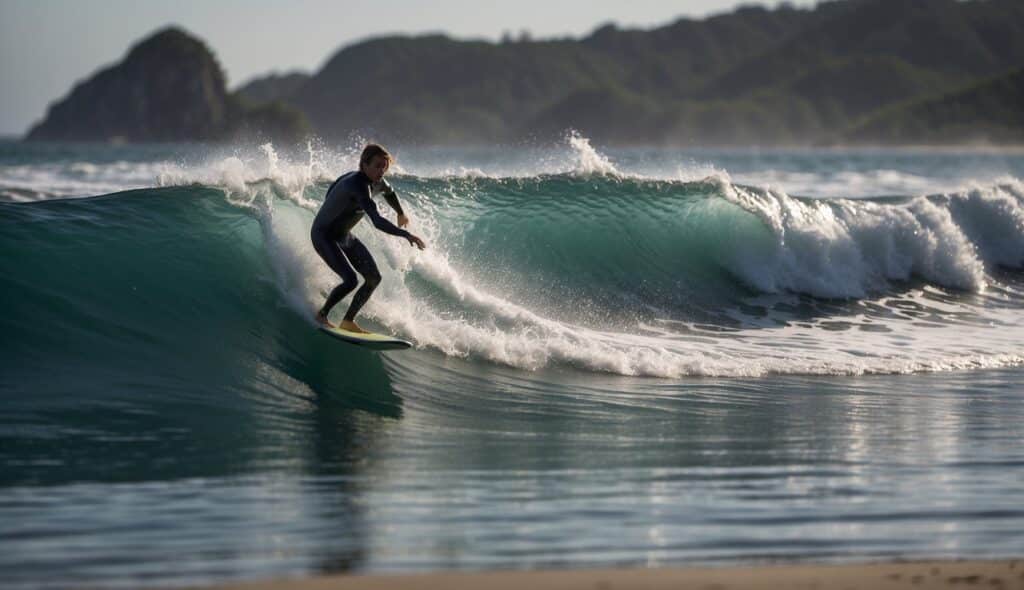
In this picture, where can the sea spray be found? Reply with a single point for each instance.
(587, 160)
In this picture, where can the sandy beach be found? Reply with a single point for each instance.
(876, 576)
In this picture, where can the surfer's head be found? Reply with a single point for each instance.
(374, 161)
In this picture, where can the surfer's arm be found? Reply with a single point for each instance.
(378, 221)
(391, 197)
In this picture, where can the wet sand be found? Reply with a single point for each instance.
(998, 574)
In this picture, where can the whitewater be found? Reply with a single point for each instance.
(646, 340)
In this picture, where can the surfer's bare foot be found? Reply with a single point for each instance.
(323, 321)
(351, 326)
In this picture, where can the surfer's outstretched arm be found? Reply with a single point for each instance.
(383, 224)
(378, 220)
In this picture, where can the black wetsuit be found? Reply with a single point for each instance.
(348, 199)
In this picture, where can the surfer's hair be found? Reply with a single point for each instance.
(371, 151)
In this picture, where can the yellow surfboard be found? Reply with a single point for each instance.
(370, 340)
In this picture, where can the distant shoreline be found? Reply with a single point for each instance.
(1004, 573)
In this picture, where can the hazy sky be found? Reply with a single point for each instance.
(48, 45)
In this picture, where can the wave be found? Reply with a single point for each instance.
(622, 230)
(588, 236)
(844, 248)
(588, 269)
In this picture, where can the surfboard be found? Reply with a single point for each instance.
(370, 340)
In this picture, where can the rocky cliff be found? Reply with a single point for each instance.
(169, 87)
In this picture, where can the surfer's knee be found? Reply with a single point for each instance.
(347, 284)
(372, 280)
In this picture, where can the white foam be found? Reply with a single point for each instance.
(849, 183)
(993, 217)
(31, 182)
(844, 249)
(246, 174)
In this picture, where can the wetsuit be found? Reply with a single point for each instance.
(346, 202)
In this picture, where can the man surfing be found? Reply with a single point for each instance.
(348, 199)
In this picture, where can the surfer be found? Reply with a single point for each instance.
(348, 199)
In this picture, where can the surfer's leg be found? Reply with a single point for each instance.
(331, 252)
(361, 259)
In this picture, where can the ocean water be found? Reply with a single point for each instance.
(641, 357)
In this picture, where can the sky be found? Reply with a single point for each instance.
(46, 46)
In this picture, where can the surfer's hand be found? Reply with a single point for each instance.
(402, 220)
(417, 242)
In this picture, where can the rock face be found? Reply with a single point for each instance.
(168, 88)
(273, 87)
